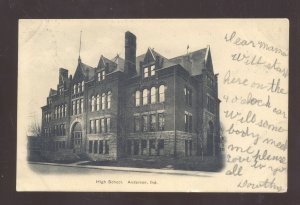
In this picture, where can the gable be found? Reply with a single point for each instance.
(149, 57)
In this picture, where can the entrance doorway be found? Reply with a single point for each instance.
(76, 138)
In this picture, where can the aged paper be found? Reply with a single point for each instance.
(250, 64)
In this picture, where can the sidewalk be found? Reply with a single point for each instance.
(130, 169)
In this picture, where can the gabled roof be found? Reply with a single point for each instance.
(195, 61)
(52, 92)
(119, 63)
(84, 70)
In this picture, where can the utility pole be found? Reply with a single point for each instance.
(175, 134)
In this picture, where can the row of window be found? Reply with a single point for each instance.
(141, 123)
(188, 122)
(101, 75)
(77, 106)
(103, 102)
(145, 147)
(47, 117)
(78, 88)
(149, 71)
(58, 130)
(150, 97)
(60, 111)
(102, 125)
(55, 146)
(99, 146)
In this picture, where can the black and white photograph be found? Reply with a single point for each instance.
(153, 105)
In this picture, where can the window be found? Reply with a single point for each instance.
(102, 125)
(95, 147)
(188, 96)
(143, 146)
(145, 97)
(103, 101)
(93, 104)
(144, 123)
(90, 146)
(78, 106)
(101, 147)
(151, 146)
(105, 125)
(128, 146)
(98, 102)
(152, 68)
(161, 121)
(81, 105)
(74, 89)
(99, 76)
(97, 126)
(188, 121)
(108, 124)
(108, 99)
(136, 145)
(153, 95)
(160, 146)
(66, 110)
(106, 147)
(82, 86)
(137, 98)
(210, 104)
(55, 113)
(136, 124)
(152, 122)
(146, 72)
(103, 75)
(79, 88)
(74, 107)
(161, 93)
(92, 126)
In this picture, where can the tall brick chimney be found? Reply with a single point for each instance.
(63, 74)
(130, 53)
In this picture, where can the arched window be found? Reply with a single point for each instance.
(103, 101)
(153, 95)
(108, 99)
(93, 104)
(162, 93)
(82, 86)
(145, 97)
(137, 98)
(98, 102)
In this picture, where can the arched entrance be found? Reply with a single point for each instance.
(210, 138)
(76, 138)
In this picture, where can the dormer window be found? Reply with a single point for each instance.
(101, 75)
(146, 72)
(152, 68)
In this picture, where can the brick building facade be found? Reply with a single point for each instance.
(141, 105)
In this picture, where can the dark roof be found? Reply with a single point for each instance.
(87, 70)
(193, 62)
(52, 92)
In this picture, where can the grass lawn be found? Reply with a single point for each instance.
(195, 163)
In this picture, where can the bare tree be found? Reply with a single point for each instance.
(35, 128)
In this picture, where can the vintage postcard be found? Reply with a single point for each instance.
(153, 105)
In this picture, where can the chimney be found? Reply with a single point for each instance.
(63, 74)
(130, 53)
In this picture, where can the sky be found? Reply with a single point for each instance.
(47, 45)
